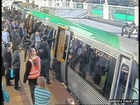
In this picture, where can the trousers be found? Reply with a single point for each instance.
(45, 70)
(17, 76)
(32, 83)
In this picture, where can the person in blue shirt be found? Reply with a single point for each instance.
(35, 38)
(42, 95)
(5, 35)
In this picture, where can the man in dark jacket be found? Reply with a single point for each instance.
(16, 66)
(26, 44)
(15, 38)
(44, 54)
(7, 62)
(13, 25)
(21, 30)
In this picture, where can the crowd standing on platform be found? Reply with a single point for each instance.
(36, 46)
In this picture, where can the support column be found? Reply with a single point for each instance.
(136, 15)
(89, 10)
(85, 5)
(60, 3)
(71, 4)
(105, 10)
(53, 3)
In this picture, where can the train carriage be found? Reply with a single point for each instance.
(80, 46)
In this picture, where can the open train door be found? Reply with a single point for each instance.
(54, 43)
(62, 49)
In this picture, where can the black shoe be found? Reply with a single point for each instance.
(17, 89)
(49, 83)
(9, 84)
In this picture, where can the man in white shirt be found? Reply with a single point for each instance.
(5, 35)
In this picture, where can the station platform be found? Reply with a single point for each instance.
(23, 97)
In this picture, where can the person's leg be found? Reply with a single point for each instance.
(7, 75)
(47, 73)
(16, 72)
(32, 84)
(43, 71)
(25, 53)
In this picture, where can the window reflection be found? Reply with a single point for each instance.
(92, 65)
(134, 90)
(122, 81)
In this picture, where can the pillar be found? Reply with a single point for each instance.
(136, 15)
(105, 10)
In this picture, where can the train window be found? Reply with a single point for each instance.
(54, 44)
(122, 81)
(95, 66)
(134, 90)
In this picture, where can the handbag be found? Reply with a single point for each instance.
(11, 74)
(6, 97)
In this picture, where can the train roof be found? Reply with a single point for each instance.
(121, 43)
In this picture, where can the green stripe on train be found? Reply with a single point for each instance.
(117, 16)
(105, 37)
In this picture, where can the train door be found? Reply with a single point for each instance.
(123, 80)
(133, 86)
(54, 43)
(62, 49)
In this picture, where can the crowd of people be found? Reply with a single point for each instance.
(36, 46)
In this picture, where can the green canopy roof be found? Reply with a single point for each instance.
(100, 35)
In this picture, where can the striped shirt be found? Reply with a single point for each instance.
(42, 96)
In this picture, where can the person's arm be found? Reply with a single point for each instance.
(27, 71)
(51, 40)
(8, 36)
(48, 95)
(39, 64)
(19, 31)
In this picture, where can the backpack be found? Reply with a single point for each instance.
(42, 53)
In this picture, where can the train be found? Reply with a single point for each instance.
(97, 67)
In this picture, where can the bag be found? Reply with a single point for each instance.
(11, 74)
(42, 52)
(6, 97)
